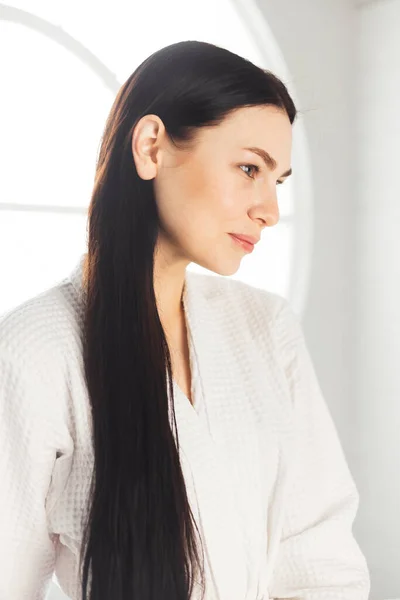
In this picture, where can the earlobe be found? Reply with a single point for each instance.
(144, 150)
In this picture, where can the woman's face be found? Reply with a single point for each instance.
(218, 187)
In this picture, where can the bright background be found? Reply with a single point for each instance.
(335, 252)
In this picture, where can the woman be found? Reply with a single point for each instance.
(163, 434)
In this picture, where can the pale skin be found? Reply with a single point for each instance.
(203, 193)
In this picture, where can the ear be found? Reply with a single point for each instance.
(146, 139)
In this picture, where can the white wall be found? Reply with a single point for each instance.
(377, 286)
(345, 63)
(316, 39)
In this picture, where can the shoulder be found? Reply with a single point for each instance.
(260, 316)
(40, 334)
(256, 306)
(40, 349)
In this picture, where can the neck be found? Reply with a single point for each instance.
(169, 284)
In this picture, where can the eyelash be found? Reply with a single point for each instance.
(257, 170)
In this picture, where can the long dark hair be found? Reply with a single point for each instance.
(139, 538)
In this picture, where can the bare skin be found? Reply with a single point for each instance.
(179, 349)
(203, 193)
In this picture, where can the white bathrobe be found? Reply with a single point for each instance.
(265, 473)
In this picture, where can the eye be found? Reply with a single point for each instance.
(279, 182)
(255, 167)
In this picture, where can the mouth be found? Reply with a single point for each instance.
(245, 245)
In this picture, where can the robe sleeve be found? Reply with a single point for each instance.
(27, 551)
(318, 557)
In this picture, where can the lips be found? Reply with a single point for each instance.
(244, 244)
(246, 238)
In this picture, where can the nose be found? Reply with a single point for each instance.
(267, 211)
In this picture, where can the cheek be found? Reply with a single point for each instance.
(216, 207)
(198, 204)
(232, 204)
(224, 195)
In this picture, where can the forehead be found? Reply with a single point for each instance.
(265, 122)
(267, 127)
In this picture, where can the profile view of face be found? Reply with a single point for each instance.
(218, 186)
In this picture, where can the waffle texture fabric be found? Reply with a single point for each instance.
(265, 472)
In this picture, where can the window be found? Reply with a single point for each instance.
(61, 75)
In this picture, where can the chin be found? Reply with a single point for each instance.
(227, 272)
(225, 269)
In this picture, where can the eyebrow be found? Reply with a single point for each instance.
(268, 159)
